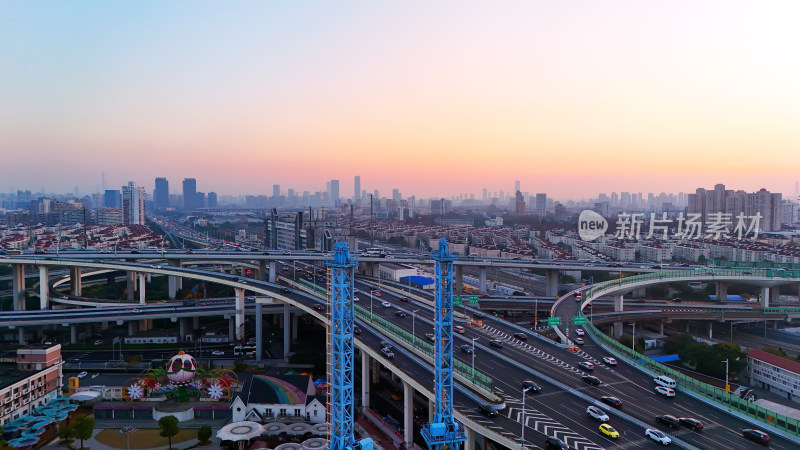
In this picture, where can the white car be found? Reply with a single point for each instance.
(665, 391)
(83, 374)
(356, 299)
(610, 361)
(218, 353)
(386, 304)
(579, 331)
(597, 413)
(657, 436)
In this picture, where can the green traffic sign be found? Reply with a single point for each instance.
(553, 321)
(579, 320)
(473, 299)
(456, 299)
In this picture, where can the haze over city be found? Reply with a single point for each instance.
(433, 99)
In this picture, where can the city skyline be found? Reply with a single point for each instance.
(418, 97)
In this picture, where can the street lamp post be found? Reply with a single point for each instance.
(633, 340)
(522, 433)
(126, 431)
(727, 386)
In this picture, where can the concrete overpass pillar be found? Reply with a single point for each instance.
(262, 270)
(469, 444)
(482, 281)
(617, 330)
(408, 414)
(259, 334)
(430, 410)
(458, 279)
(765, 297)
(232, 329)
(618, 303)
(661, 328)
(44, 287)
(104, 325)
(142, 293)
(286, 323)
(365, 381)
(73, 334)
(18, 287)
(551, 283)
(273, 271)
(722, 291)
(130, 278)
(711, 330)
(195, 322)
(21, 336)
(174, 283)
(75, 281)
(181, 330)
(295, 317)
(775, 295)
(239, 314)
(131, 328)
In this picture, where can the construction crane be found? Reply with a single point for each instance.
(444, 432)
(341, 348)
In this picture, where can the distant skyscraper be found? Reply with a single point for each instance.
(276, 190)
(161, 193)
(212, 199)
(516, 186)
(189, 193)
(520, 204)
(112, 199)
(357, 188)
(334, 192)
(133, 198)
(396, 195)
(541, 204)
(200, 200)
(485, 194)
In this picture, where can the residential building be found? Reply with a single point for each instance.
(189, 193)
(161, 193)
(109, 216)
(212, 199)
(32, 381)
(519, 208)
(541, 204)
(112, 198)
(133, 204)
(284, 398)
(356, 189)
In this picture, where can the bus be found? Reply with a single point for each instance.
(247, 350)
(374, 252)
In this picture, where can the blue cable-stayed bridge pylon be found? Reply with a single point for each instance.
(444, 431)
(341, 376)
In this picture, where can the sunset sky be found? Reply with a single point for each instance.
(434, 98)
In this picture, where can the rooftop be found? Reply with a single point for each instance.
(775, 360)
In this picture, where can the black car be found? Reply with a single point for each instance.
(285, 290)
(591, 379)
(487, 410)
(756, 435)
(555, 443)
(613, 401)
(400, 314)
(466, 349)
(386, 344)
(496, 343)
(669, 420)
(691, 423)
(531, 386)
(521, 336)
(319, 307)
(356, 330)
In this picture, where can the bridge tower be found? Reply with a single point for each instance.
(444, 431)
(341, 348)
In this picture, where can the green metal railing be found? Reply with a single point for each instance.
(781, 310)
(754, 265)
(768, 273)
(725, 399)
(423, 346)
(314, 288)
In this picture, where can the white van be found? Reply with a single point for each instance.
(663, 380)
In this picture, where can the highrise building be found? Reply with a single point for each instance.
(161, 193)
(112, 199)
(276, 190)
(200, 200)
(541, 204)
(721, 200)
(212, 199)
(334, 192)
(356, 189)
(396, 195)
(189, 193)
(516, 186)
(520, 204)
(133, 199)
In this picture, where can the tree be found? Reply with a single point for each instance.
(204, 434)
(169, 428)
(83, 428)
(626, 339)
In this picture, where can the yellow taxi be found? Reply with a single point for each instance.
(609, 431)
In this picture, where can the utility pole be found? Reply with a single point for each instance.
(371, 226)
